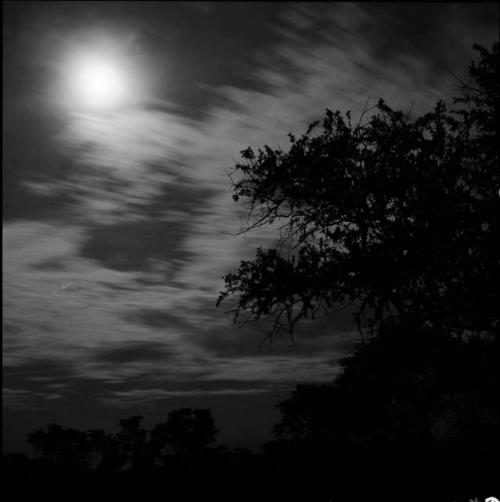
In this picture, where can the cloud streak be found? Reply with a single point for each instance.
(120, 286)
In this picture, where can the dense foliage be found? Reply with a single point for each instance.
(391, 216)
(185, 433)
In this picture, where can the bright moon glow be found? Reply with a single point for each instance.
(99, 83)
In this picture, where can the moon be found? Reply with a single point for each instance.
(98, 83)
(99, 73)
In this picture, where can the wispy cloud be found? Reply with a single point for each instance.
(124, 286)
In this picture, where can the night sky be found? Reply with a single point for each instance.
(119, 223)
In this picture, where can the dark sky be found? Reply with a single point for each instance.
(117, 222)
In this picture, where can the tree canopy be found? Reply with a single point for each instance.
(418, 389)
(392, 216)
(408, 411)
(186, 432)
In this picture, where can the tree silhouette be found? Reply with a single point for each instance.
(391, 216)
(404, 382)
(106, 455)
(422, 407)
(186, 432)
(132, 441)
(61, 445)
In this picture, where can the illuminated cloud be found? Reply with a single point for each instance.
(120, 225)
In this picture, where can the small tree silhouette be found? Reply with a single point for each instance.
(61, 445)
(132, 442)
(106, 455)
(186, 432)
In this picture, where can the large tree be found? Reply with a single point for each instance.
(391, 216)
